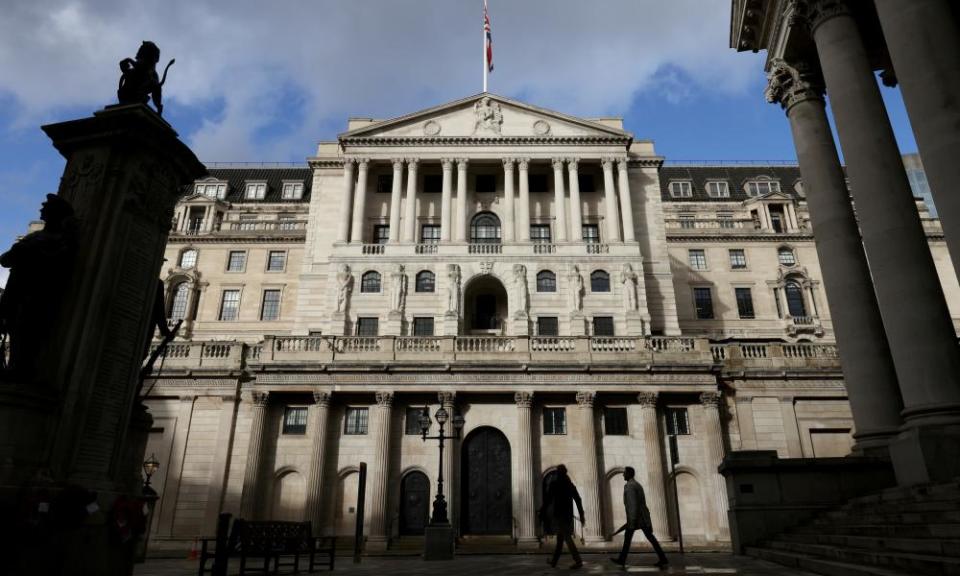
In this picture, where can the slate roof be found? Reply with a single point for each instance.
(274, 176)
(735, 176)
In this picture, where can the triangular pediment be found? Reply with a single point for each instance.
(486, 115)
(775, 196)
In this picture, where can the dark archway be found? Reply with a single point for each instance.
(414, 503)
(485, 305)
(485, 496)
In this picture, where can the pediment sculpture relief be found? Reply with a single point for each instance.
(489, 116)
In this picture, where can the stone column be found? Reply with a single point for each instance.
(410, 215)
(174, 473)
(576, 209)
(380, 473)
(610, 200)
(868, 369)
(626, 202)
(509, 224)
(559, 201)
(446, 199)
(653, 465)
(526, 509)
(450, 484)
(219, 468)
(713, 438)
(923, 38)
(346, 203)
(318, 450)
(918, 325)
(359, 202)
(395, 196)
(462, 222)
(251, 476)
(524, 166)
(590, 476)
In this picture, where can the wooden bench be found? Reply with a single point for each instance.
(271, 541)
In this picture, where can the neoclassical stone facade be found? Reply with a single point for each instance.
(544, 276)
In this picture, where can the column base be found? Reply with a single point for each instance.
(926, 453)
(875, 444)
(594, 540)
(528, 543)
(438, 542)
(376, 544)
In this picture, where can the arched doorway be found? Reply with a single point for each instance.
(289, 495)
(414, 503)
(485, 486)
(485, 306)
(345, 509)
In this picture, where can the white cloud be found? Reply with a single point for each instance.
(245, 59)
(4, 274)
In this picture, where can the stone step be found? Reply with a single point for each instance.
(947, 531)
(941, 491)
(904, 506)
(846, 517)
(820, 565)
(927, 564)
(932, 546)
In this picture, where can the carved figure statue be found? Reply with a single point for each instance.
(398, 288)
(139, 80)
(344, 286)
(520, 279)
(629, 280)
(453, 289)
(489, 116)
(576, 289)
(40, 265)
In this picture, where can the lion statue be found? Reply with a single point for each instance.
(140, 80)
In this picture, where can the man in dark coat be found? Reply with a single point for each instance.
(560, 497)
(638, 518)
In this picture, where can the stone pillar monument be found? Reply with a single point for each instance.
(380, 475)
(590, 477)
(526, 509)
(318, 460)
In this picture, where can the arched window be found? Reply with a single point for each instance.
(786, 256)
(485, 229)
(370, 282)
(546, 281)
(795, 304)
(426, 281)
(178, 304)
(188, 258)
(599, 281)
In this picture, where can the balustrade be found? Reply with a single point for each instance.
(593, 248)
(613, 344)
(485, 344)
(544, 248)
(485, 248)
(419, 344)
(427, 248)
(668, 344)
(558, 344)
(373, 249)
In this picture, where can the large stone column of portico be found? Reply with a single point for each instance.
(526, 513)
(359, 202)
(524, 166)
(918, 326)
(318, 452)
(251, 475)
(626, 202)
(576, 217)
(462, 223)
(446, 199)
(923, 38)
(589, 478)
(610, 199)
(410, 214)
(868, 369)
(343, 229)
(448, 402)
(559, 201)
(395, 196)
(509, 224)
(715, 452)
(380, 473)
(653, 465)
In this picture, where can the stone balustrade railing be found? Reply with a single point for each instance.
(779, 355)
(461, 249)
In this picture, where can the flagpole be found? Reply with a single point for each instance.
(483, 33)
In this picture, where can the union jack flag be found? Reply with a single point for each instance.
(486, 29)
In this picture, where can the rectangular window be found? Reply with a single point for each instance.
(423, 326)
(744, 303)
(355, 421)
(236, 261)
(718, 190)
(738, 259)
(725, 220)
(777, 219)
(538, 183)
(430, 234)
(688, 221)
(762, 187)
(385, 184)
(256, 190)
(603, 325)
(432, 183)
(586, 183)
(381, 233)
(292, 191)
(270, 310)
(295, 420)
(486, 183)
(703, 303)
(698, 259)
(554, 421)
(548, 326)
(615, 421)
(681, 189)
(411, 423)
(368, 326)
(276, 261)
(591, 233)
(229, 305)
(678, 422)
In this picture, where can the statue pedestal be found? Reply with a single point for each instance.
(451, 324)
(578, 324)
(635, 324)
(338, 324)
(394, 325)
(438, 542)
(520, 325)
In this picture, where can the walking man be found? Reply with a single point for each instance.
(560, 497)
(638, 518)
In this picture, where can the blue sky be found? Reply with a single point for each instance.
(264, 81)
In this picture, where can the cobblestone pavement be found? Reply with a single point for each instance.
(515, 565)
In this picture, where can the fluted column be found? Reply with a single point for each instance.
(315, 486)
(251, 475)
(451, 488)
(576, 219)
(410, 215)
(346, 203)
(655, 486)
(610, 200)
(589, 478)
(359, 202)
(174, 472)
(509, 224)
(524, 166)
(395, 196)
(526, 509)
(462, 223)
(446, 199)
(626, 202)
(559, 201)
(380, 475)
(715, 452)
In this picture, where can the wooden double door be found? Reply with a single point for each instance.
(485, 494)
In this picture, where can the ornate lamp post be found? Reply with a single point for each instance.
(439, 535)
(150, 467)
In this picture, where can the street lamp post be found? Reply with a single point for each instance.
(150, 467)
(438, 541)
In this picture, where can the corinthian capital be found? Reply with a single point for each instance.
(789, 84)
(710, 399)
(647, 399)
(585, 399)
(820, 11)
(607, 163)
(322, 398)
(260, 399)
(397, 164)
(558, 163)
(573, 164)
(508, 164)
(384, 399)
(523, 163)
(523, 399)
(447, 164)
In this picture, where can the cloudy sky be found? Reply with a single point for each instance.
(263, 80)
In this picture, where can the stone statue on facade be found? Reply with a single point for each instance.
(344, 286)
(629, 280)
(489, 116)
(576, 289)
(453, 289)
(523, 295)
(140, 81)
(398, 288)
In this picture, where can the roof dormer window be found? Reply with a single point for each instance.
(762, 187)
(718, 189)
(292, 191)
(681, 189)
(212, 189)
(256, 190)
